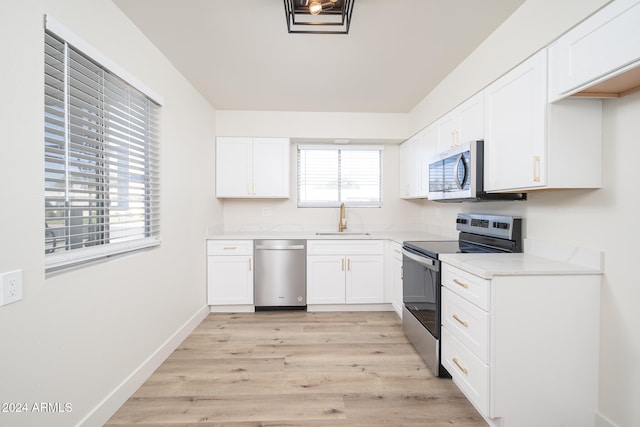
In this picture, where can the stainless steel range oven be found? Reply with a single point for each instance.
(421, 275)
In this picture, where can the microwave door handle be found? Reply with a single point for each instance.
(455, 172)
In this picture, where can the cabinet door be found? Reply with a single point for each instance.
(471, 119)
(515, 108)
(447, 132)
(409, 169)
(325, 279)
(233, 167)
(463, 124)
(429, 147)
(229, 280)
(396, 279)
(270, 167)
(603, 46)
(365, 279)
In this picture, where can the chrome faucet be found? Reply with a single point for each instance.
(342, 224)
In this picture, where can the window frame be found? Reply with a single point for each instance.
(122, 171)
(339, 149)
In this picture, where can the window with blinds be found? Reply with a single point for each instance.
(101, 160)
(329, 176)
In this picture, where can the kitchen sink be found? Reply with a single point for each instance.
(343, 233)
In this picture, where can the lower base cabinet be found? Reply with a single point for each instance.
(523, 349)
(230, 272)
(395, 277)
(345, 272)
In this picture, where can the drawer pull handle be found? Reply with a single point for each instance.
(348, 264)
(462, 322)
(229, 248)
(457, 282)
(463, 369)
(342, 264)
(249, 264)
(397, 251)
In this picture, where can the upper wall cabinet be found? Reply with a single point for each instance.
(600, 57)
(410, 174)
(414, 157)
(462, 124)
(531, 144)
(252, 167)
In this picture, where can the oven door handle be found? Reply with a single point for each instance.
(422, 260)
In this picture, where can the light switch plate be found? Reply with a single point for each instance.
(10, 287)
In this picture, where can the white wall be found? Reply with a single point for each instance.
(309, 125)
(534, 25)
(77, 336)
(246, 215)
(598, 219)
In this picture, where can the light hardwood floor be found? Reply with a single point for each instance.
(293, 368)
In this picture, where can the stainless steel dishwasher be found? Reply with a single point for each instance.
(280, 274)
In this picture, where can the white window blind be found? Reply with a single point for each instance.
(101, 160)
(329, 176)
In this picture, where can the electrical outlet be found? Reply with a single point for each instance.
(11, 287)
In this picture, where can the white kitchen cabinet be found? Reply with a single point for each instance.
(395, 276)
(531, 144)
(600, 56)
(410, 176)
(252, 167)
(523, 348)
(415, 154)
(345, 272)
(229, 272)
(463, 124)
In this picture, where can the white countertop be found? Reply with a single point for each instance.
(539, 257)
(489, 265)
(396, 236)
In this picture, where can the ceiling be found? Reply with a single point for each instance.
(239, 56)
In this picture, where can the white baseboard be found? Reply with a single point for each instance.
(110, 404)
(602, 421)
(232, 308)
(349, 307)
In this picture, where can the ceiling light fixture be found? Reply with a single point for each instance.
(318, 16)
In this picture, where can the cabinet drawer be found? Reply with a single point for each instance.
(472, 288)
(468, 372)
(229, 247)
(467, 322)
(345, 247)
(396, 250)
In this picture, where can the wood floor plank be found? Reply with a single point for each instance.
(296, 369)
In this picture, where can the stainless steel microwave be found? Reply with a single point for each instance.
(457, 175)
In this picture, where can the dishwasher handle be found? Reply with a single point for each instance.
(280, 247)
